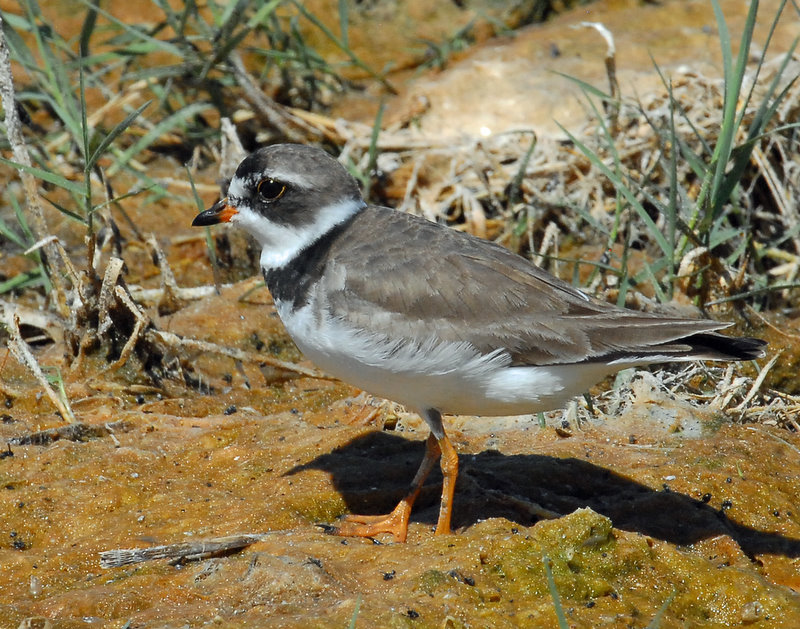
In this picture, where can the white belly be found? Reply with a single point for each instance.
(453, 378)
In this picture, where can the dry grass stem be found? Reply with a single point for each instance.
(185, 344)
(152, 296)
(51, 324)
(762, 374)
(612, 107)
(22, 352)
(110, 278)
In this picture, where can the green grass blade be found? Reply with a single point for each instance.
(57, 81)
(10, 234)
(587, 88)
(630, 195)
(210, 245)
(354, 59)
(171, 17)
(656, 622)
(344, 23)
(516, 182)
(263, 13)
(65, 211)
(646, 274)
(87, 29)
(22, 221)
(650, 273)
(766, 112)
(762, 57)
(373, 151)
(26, 279)
(354, 617)
(46, 175)
(733, 76)
(162, 127)
(189, 8)
(720, 235)
(755, 293)
(84, 119)
(17, 47)
(551, 586)
(113, 134)
(741, 61)
(231, 17)
(138, 34)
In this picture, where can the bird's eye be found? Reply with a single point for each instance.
(270, 190)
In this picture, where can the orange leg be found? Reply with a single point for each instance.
(449, 474)
(396, 522)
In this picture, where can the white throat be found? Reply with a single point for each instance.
(280, 243)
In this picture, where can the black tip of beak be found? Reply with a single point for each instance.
(209, 217)
(220, 212)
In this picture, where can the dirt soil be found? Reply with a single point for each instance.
(668, 505)
(671, 512)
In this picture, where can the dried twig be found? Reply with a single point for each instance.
(138, 329)
(169, 302)
(290, 126)
(185, 551)
(73, 432)
(231, 149)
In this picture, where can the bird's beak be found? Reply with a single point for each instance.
(220, 212)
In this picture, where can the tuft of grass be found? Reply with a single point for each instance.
(162, 78)
(676, 220)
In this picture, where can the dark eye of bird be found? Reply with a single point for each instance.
(269, 189)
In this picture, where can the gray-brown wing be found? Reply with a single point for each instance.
(465, 289)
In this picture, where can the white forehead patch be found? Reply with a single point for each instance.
(237, 187)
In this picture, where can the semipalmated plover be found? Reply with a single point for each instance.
(435, 319)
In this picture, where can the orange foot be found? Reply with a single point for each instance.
(395, 523)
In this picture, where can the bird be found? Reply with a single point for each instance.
(438, 320)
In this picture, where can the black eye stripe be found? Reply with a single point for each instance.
(270, 189)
